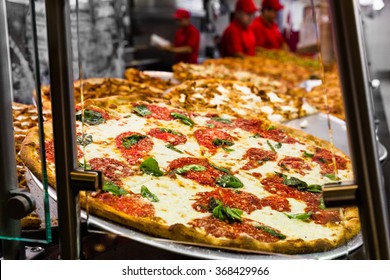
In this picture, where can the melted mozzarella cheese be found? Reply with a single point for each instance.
(267, 109)
(243, 89)
(292, 228)
(306, 107)
(273, 97)
(94, 150)
(276, 118)
(175, 196)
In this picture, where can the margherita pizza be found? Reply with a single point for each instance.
(205, 177)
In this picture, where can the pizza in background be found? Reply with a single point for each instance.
(185, 72)
(330, 88)
(102, 87)
(241, 99)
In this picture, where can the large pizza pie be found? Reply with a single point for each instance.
(241, 99)
(206, 176)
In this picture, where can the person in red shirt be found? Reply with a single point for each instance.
(238, 39)
(265, 29)
(187, 39)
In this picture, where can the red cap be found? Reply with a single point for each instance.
(247, 6)
(272, 4)
(181, 13)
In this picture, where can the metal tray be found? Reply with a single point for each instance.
(192, 250)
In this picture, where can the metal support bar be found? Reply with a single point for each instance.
(340, 195)
(87, 180)
(359, 114)
(61, 87)
(8, 174)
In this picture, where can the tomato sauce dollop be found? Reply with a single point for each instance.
(206, 136)
(136, 152)
(218, 228)
(325, 159)
(134, 205)
(171, 138)
(113, 169)
(205, 177)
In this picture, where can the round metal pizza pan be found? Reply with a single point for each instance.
(195, 250)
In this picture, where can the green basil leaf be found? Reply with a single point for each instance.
(145, 192)
(221, 142)
(173, 148)
(272, 232)
(278, 145)
(142, 110)
(168, 130)
(224, 212)
(229, 181)
(308, 155)
(281, 175)
(271, 127)
(255, 136)
(210, 125)
(85, 165)
(333, 177)
(131, 140)
(150, 166)
(284, 167)
(84, 140)
(220, 168)
(190, 167)
(300, 216)
(270, 146)
(321, 159)
(90, 117)
(300, 185)
(214, 203)
(222, 120)
(322, 204)
(314, 188)
(113, 188)
(184, 119)
(227, 149)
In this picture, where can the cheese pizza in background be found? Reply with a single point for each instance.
(102, 87)
(207, 177)
(242, 99)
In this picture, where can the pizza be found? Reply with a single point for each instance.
(328, 97)
(288, 72)
(101, 87)
(188, 72)
(205, 176)
(241, 99)
(281, 57)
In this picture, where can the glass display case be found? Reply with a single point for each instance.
(101, 145)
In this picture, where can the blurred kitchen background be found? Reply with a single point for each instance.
(114, 35)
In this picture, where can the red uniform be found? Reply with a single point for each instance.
(237, 39)
(187, 36)
(267, 34)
